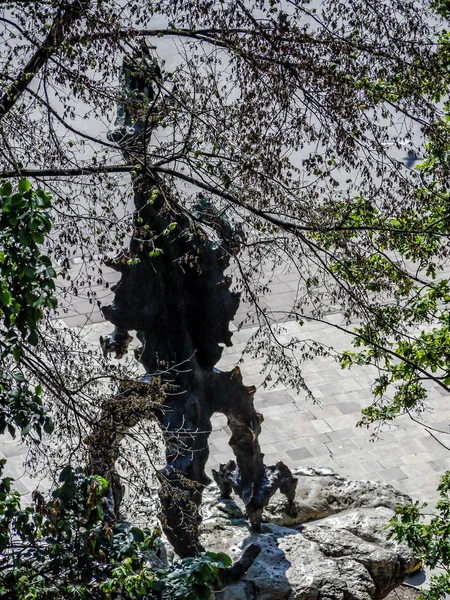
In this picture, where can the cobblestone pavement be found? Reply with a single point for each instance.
(301, 432)
(298, 431)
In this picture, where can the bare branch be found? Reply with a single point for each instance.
(68, 172)
(52, 42)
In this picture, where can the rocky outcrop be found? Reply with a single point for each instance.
(334, 548)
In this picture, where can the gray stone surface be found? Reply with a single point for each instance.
(335, 548)
(321, 493)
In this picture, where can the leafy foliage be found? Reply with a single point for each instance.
(26, 287)
(429, 537)
(64, 548)
(408, 338)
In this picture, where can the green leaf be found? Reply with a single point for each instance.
(102, 481)
(37, 237)
(155, 252)
(6, 189)
(223, 560)
(29, 272)
(17, 200)
(226, 180)
(24, 186)
(40, 301)
(49, 426)
(33, 338)
(67, 474)
(158, 586)
(42, 199)
(52, 302)
(26, 429)
(34, 224)
(5, 297)
(138, 534)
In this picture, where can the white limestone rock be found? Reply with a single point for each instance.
(334, 548)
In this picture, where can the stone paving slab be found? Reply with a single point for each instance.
(322, 433)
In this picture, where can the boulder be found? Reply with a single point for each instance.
(335, 546)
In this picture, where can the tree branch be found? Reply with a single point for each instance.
(205, 35)
(384, 349)
(54, 39)
(68, 172)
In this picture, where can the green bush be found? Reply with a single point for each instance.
(64, 548)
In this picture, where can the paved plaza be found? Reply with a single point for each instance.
(296, 430)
